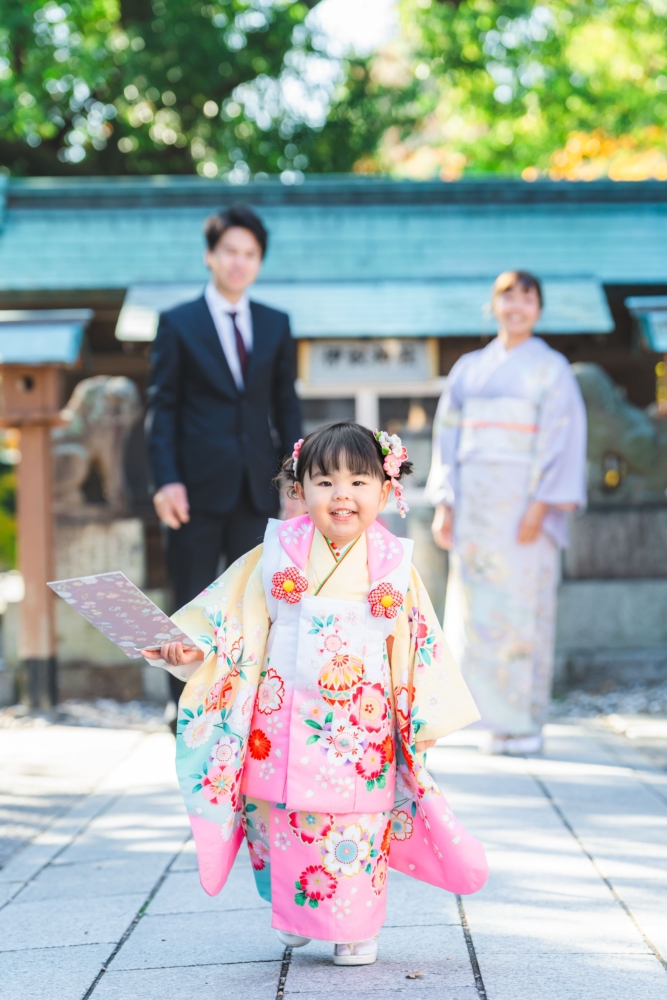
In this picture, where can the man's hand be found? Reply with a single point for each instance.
(175, 653)
(171, 505)
(442, 526)
(531, 523)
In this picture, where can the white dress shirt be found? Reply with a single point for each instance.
(220, 309)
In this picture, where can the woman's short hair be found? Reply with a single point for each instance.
(238, 215)
(510, 279)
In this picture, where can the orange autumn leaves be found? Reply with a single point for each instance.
(588, 156)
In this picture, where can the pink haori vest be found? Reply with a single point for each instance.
(324, 701)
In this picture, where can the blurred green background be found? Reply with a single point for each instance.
(240, 88)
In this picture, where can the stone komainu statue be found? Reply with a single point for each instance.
(99, 418)
(627, 447)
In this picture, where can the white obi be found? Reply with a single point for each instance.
(322, 733)
(501, 429)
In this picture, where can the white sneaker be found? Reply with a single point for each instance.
(292, 940)
(356, 952)
(517, 744)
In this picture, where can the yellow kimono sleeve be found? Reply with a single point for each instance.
(421, 662)
(229, 621)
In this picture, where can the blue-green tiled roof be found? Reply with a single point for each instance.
(40, 343)
(109, 234)
(436, 308)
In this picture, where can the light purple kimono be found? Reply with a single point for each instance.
(510, 429)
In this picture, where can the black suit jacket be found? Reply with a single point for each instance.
(202, 431)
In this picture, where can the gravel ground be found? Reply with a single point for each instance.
(632, 699)
(640, 698)
(103, 713)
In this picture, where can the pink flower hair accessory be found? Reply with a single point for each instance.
(394, 455)
(295, 454)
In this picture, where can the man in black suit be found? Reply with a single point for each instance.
(222, 411)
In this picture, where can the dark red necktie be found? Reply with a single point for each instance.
(241, 349)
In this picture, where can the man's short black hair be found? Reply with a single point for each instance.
(236, 215)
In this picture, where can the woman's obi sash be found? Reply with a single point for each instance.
(329, 745)
(501, 429)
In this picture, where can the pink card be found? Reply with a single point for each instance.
(120, 611)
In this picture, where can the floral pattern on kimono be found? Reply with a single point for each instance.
(228, 720)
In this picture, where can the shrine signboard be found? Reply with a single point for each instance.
(368, 360)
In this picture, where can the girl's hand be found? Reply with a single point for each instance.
(421, 746)
(175, 653)
(442, 526)
(531, 523)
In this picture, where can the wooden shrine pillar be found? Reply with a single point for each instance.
(34, 348)
(31, 404)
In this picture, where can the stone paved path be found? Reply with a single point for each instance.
(99, 896)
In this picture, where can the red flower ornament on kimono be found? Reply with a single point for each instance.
(315, 885)
(259, 745)
(288, 585)
(385, 601)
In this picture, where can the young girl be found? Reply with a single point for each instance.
(320, 677)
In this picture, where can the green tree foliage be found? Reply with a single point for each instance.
(145, 86)
(500, 86)
(569, 87)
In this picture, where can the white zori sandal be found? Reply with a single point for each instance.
(292, 940)
(356, 952)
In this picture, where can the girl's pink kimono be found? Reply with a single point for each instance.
(298, 730)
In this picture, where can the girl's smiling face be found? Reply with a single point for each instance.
(342, 504)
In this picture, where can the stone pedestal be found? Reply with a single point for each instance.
(621, 543)
(89, 666)
(611, 630)
(84, 548)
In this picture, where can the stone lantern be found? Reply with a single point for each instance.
(35, 347)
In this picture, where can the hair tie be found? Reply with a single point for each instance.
(394, 456)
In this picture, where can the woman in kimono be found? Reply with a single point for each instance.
(319, 679)
(509, 459)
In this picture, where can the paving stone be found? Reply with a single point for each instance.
(546, 924)
(8, 890)
(526, 928)
(186, 861)
(181, 892)
(647, 902)
(251, 981)
(589, 976)
(201, 939)
(438, 951)
(43, 775)
(51, 973)
(115, 877)
(136, 824)
(413, 989)
(44, 925)
(45, 847)
(411, 903)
